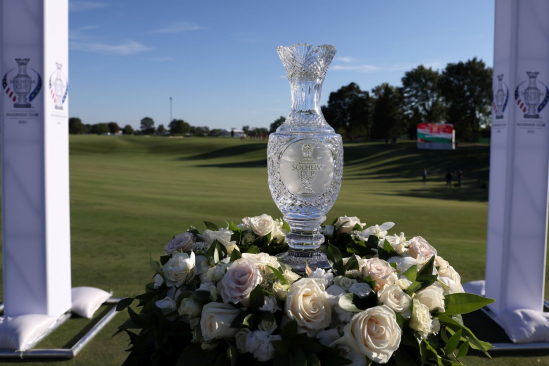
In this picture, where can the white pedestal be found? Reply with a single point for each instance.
(35, 160)
(519, 157)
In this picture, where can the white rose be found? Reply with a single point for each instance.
(200, 262)
(279, 234)
(346, 224)
(421, 319)
(216, 273)
(343, 315)
(259, 344)
(374, 333)
(380, 271)
(396, 299)
(268, 327)
(436, 326)
(245, 225)
(263, 260)
(344, 282)
(449, 272)
(419, 246)
(432, 297)
(440, 262)
(290, 276)
(360, 289)
(403, 283)
(216, 321)
(262, 225)
(179, 269)
(334, 292)
(403, 263)
(223, 236)
(280, 290)
(398, 242)
(167, 305)
(182, 242)
(189, 307)
(378, 230)
(270, 304)
(240, 339)
(158, 281)
(241, 278)
(307, 302)
(327, 276)
(328, 231)
(448, 286)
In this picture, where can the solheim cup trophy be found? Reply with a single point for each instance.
(305, 157)
(59, 87)
(22, 83)
(532, 95)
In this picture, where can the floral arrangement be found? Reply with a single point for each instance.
(221, 297)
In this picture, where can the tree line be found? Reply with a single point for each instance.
(460, 94)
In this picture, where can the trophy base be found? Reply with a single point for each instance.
(300, 259)
(22, 105)
(534, 115)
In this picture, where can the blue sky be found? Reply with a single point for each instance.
(218, 59)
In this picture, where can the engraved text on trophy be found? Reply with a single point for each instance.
(307, 168)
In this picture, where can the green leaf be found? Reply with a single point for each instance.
(211, 226)
(289, 331)
(253, 249)
(373, 242)
(250, 321)
(282, 347)
(455, 326)
(464, 303)
(298, 358)
(452, 343)
(415, 286)
(427, 268)
(155, 266)
(279, 275)
(237, 321)
(237, 232)
(334, 256)
(463, 350)
(312, 360)
(195, 355)
(164, 259)
(235, 254)
(366, 302)
(352, 263)
(346, 303)
(358, 247)
(124, 303)
(411, 273)
(257, 298)
(426, 280)
(402, 358)
(286, 226)
(306, 344)
(400, 320)
(136, 318)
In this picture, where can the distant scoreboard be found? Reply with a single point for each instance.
(435, 136)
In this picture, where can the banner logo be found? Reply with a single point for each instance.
(18, 87)
(529, 99)
(500, 98)
(59, 87)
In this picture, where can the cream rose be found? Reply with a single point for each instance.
(189, 307)
(373, 333)
(223, 236)
(396, 299)
(180, 269)
(279, 234)
(262, 260)
(346, 224)
(240, 339)
(167, 305)
(421, 320)
(216, 320)
(267, 326)
(403, 283)
(262, 225)
(241, 278)
(183, 242)
(432, 297)
(419, 246)
(307, 302)
(449, 272)
(360, 289)
(327, 276)
(448, 286)
(398, 242)
(380, 271)
(280, 290)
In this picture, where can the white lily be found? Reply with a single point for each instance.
(378, 230)
(398, 242)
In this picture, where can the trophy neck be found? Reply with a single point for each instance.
(22, 69)
(306, 97)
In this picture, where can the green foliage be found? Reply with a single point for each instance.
(387, 116)
(276, 124)
(464, 303)
(147, 125)
(76, 126)
(128, 130)
(179, 127)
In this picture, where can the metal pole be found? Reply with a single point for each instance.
(171, 110)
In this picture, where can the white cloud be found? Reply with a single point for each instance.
(79, 33)
(283, 77)
(82, 5)
(128, 47)
(345, 59)
(361, 68)
(178, 27)
(396, 67)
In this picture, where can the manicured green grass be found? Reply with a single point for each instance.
(130, 195)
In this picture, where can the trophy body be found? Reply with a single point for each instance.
(532, 96)
(305, 157)
(22, 84)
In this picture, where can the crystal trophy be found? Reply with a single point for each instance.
(305, 157)
(22, 83)
(59, 87)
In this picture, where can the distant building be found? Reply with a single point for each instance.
(233, 132)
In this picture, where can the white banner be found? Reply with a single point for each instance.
(35, 161)
(519, 156)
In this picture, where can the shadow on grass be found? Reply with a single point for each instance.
(455, 194)
(227, 152)
(242, 164)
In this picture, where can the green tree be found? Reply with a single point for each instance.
(161, 129)
(100, 128)
(128, 130)
(421, 97)
(200, 131)
(467, 91)
(349, 109)
(215, 132)
(113, 127)
(387, 116)
(147, 125)
(246, 130)
(179, 127)
(276, 124)
(76, 126)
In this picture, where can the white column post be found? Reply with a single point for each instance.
(519, 157)
(35, 156)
